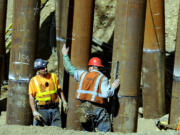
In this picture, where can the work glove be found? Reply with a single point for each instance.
(65, 50)
(65, 107)
(37, 116)
(116, 83)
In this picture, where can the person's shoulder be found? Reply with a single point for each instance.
(33, 78)
(80, 71)
(100, 73)
(103, 77)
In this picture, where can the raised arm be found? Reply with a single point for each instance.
(66, 61)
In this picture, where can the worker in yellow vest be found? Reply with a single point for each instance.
(44, 93)
(93, 90)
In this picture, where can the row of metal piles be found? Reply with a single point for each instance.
(139, 31)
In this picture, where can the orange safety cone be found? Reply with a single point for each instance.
(178, 127)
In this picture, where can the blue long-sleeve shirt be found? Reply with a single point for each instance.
(106, 90)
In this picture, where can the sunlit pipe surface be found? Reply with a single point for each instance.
(127, 49)
(24, 41)
(62, 8)
(175, 97)
(153, 69)
(80, 50)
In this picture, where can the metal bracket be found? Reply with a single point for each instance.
(116, 68)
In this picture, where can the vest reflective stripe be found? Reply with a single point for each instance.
(46, 94)
(80, 85)
(43, 99)
(90, 92)
(94, 93)
(96, 87)
(37, 85)
(53, 78)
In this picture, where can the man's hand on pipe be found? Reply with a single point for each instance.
(65, 50)
(116, 83)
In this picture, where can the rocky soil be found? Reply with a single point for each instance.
(145, 127)
(171, 17)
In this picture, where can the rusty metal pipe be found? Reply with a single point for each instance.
(127, 49)
(3, 11)
(62, 8)
(175, 97)
(80, 50)
(153, 70)
(24, 41)
(62, 11)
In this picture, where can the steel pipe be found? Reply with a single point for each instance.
(80, 50)
(24, 41)
(153, 70)
(175, 97)
(62, 11)
(127, 50)
(3, 11)
(62, 8)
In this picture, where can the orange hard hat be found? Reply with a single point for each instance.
(95, 61)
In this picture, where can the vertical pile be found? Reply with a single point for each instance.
(24, 41)
(127, 49)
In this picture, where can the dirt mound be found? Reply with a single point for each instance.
(32, 130)
(145, 127)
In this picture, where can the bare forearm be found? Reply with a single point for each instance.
(62, 96)
(32, 103)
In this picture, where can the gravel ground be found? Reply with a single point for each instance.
(145, 127)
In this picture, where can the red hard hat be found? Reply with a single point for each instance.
(95, 61)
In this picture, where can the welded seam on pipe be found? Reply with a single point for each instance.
(24, 63)
(176, 75)
(119, 96)
(60, 39)
(176, 78)
(19, 81)
(151, 50)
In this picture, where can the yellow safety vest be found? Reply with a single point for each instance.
(45, 96)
